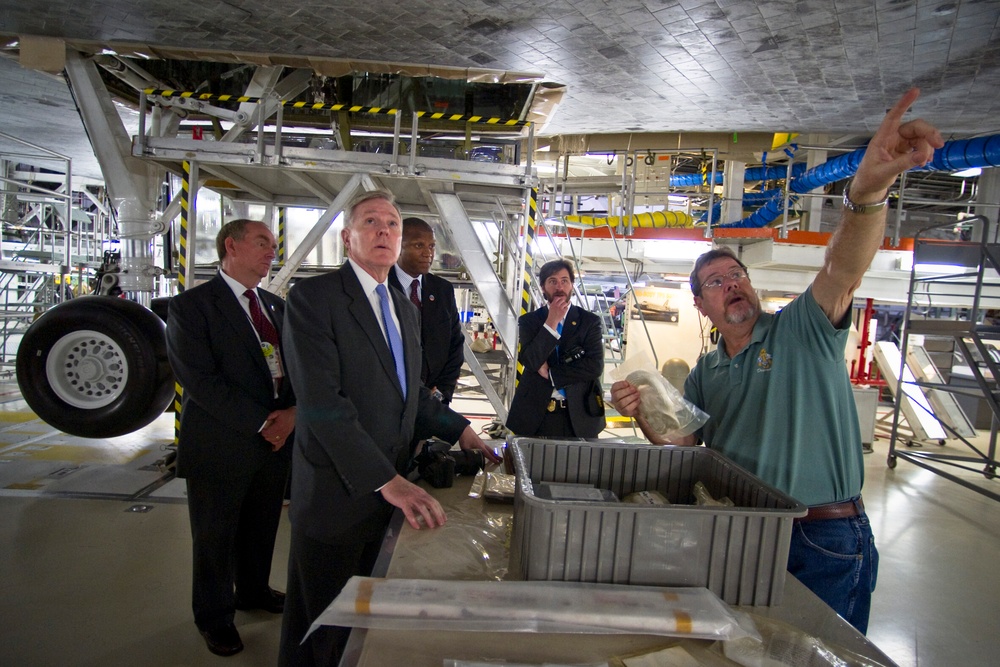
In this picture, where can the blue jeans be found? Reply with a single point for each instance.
(837, 560)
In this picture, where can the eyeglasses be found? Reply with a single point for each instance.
(736, 276)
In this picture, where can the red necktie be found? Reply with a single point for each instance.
(414, 297)
(263, 325)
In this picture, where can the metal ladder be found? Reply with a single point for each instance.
(973, 284)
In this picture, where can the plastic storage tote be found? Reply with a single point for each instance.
(739, 553)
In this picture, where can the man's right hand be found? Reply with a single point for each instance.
(417, 504)
(558, 308)
(625, 398)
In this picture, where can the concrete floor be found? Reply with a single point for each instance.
(94, 576)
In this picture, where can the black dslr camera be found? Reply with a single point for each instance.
(438, 465)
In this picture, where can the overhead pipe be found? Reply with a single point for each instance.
(953, 156)
(751, 174)
(655, 219)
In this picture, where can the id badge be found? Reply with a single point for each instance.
(272, 358)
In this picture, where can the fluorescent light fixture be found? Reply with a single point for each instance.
(940, 268)
(40, 199)
(968, 173)
(677, 251)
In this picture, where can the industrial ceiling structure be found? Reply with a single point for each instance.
(698, 83)
(623, 68)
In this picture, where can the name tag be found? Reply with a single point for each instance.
(272, 358)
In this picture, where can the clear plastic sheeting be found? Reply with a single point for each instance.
(495, 486)
(771, 643)
(530, 606)
(472, 544)
(449, 662)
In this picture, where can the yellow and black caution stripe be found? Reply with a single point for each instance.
(281, 235)
(506, 122)
(351, 108)
(182, 258)
(530, 231)
(182, 261)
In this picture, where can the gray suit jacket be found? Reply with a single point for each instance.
(353, 427)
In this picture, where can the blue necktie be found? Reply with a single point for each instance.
(561, 392)
(395, 342)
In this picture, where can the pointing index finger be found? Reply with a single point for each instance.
(896, 113)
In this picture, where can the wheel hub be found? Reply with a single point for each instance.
(87, 369)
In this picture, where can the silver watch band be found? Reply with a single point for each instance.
(862, 209)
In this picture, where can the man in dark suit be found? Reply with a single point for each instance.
(559, 393)
(353, 350)
(237, 412)
(441, 333)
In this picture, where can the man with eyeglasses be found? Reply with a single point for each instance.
(776, 388)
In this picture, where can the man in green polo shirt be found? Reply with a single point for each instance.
(776, 388)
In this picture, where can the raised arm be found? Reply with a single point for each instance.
(895, 148)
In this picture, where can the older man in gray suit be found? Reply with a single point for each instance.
(353, 350)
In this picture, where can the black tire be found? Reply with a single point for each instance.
(96, 367)
(159, 306)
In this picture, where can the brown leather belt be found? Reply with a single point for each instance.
(841, 510)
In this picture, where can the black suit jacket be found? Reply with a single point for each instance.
(580, 378)
(353, 426)
(228, 390)
(441, 333)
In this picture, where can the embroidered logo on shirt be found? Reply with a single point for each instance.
(763, 361)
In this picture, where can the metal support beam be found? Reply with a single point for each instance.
(477, 261)
(229, 175)
(132, 183)
(310, 184)
(280, 280)
(485, 383)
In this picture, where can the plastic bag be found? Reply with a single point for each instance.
(772, 643)
(530, 606)
(663, 408)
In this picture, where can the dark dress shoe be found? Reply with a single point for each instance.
(271, 601)
(223, 641)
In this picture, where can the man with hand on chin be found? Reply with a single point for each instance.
(776, 389)
(559, 394)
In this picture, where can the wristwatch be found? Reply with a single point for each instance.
(862, 209)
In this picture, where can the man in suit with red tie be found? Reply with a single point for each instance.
(224, 344)
(441, 333)
(353, 349)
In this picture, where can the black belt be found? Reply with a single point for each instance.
(842, 510)
(556, 404)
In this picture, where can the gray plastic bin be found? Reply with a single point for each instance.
(739, 553)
